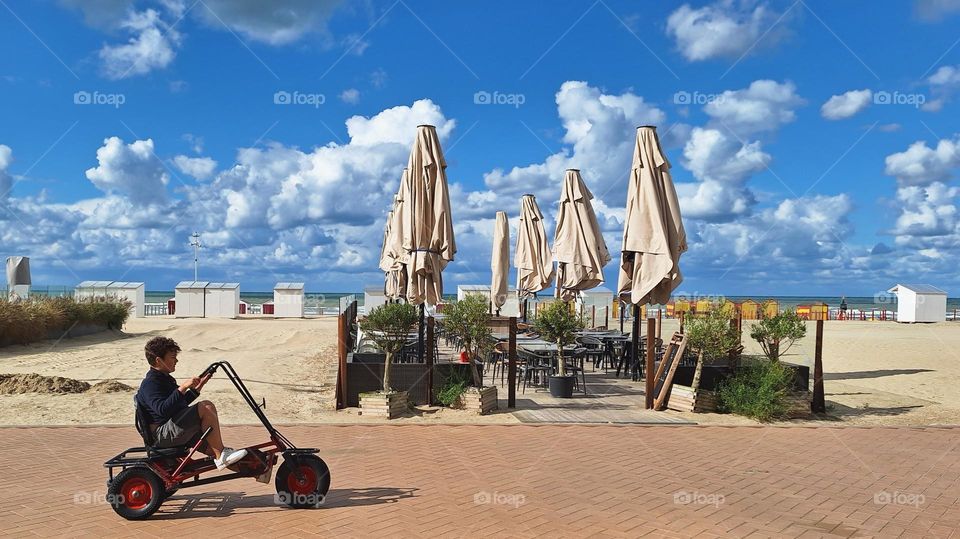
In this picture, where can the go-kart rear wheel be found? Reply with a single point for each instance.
(136, 493)
(302, 482)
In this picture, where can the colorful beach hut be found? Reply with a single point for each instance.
(750, 309)
(770, 308)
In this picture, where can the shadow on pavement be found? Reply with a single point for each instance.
(222, 504)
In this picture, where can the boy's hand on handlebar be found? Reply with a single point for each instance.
(192, 383)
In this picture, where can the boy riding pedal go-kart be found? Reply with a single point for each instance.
(173, 431)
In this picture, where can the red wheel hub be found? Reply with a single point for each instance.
(136, 493)
(306, 483)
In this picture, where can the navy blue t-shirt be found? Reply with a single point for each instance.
(160, 394)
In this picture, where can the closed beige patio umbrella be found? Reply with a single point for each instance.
(532, 257)
(500, 261)
(427, 226)
(653, 240)
(578, 246)
(653, 235)
(392, 254)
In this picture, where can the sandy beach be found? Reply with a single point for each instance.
(876, 373)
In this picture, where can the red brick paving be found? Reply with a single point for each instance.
(522, 481)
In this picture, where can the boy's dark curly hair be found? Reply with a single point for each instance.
(158, 347)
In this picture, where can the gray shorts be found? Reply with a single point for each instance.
(181, 429)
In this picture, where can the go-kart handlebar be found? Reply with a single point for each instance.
(244, 392)
(206, 375)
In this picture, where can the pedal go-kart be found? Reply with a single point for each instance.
(142, 478)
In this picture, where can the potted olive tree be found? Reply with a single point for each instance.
(713, 338)
(468, 320)
(388, 326)
(776, 334)
(557, 323)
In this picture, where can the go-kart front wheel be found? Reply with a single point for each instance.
(303, 482)
(136, 493)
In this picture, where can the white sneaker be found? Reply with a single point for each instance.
(228, 456)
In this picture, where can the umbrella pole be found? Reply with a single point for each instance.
(620, 312)
(635, 341)
(420, 333)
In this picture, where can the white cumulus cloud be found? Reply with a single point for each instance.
(847, 104)
(765, 105)
(152, 46)
(131, 169)
(200, 168)
(723, 29)
(921, 165)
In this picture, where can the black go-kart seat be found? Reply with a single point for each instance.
(142, 422)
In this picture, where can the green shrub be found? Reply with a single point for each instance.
(31, 320)
(452, 388)
(758, 390)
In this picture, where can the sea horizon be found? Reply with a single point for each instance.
(332, 299)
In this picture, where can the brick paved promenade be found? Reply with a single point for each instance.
(550, 480)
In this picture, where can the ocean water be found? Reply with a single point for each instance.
(333, 299)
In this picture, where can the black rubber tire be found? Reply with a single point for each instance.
(144, 489)
(308, 491)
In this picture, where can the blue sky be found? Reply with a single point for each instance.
(814, 144)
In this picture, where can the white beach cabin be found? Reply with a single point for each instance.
(91, 289)
(189, 297)
(373, 297)
(595, 302)
(222, 300)
(288, 300)
(132, 292)
(511, 307)
(920, 303)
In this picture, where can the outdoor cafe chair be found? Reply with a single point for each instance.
(533, 370)
(573, 362)
(500, 361)
(595, 351)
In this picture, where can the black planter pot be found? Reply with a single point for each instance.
(562, 386)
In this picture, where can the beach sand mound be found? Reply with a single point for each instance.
(12, 384)
(110, 386)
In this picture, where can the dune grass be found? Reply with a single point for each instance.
(32, 320)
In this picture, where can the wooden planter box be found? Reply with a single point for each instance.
(799, 404)
(388, 405)
(481, 401)
(683, 399)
